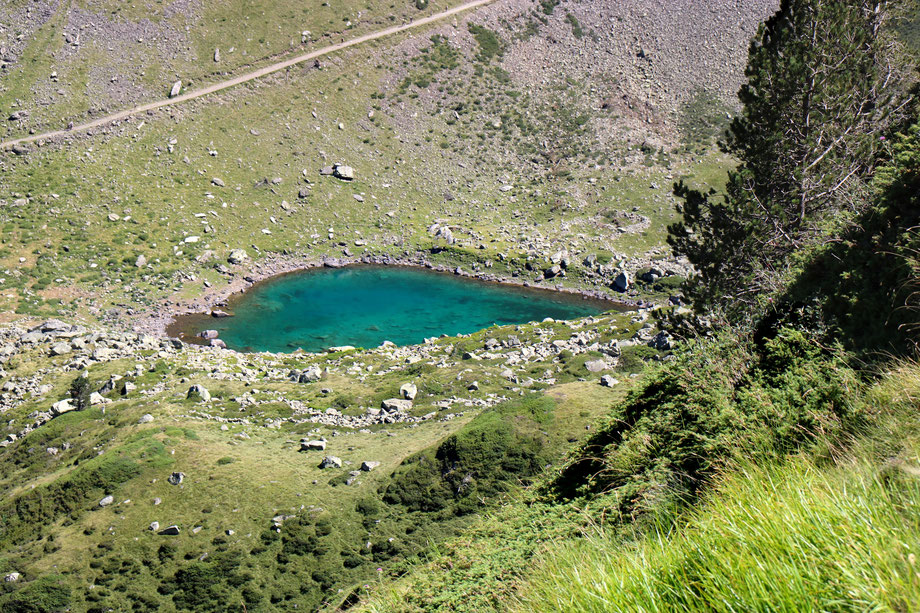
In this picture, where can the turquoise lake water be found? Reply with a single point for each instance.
(363, 306)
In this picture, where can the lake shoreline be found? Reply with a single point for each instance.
(158, 320)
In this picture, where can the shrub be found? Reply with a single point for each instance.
(719, 401)
(43, 595)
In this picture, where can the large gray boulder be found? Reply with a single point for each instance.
(61, 407)
(330, 461)
(310, 375)
(621, 283)
(343, 172)
(597, 365)
(369, 465)
(198, 392)
(237, 256)
(169, 531)
(106, 501)
(408, 391)
(175, 89)
(315, 445)
(396, 405)
(60, 349)
(176, 478)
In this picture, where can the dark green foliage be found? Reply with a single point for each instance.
(497, 450)
(490, 45)
(548, 6)
(45, 595)
(23, 518)
(210, 585)
(80, 391)
(716, 403)
(577, 32)
(862, 289)
(815, 104)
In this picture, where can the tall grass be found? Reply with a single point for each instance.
(794, 537)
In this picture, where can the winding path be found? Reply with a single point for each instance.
(216, 87)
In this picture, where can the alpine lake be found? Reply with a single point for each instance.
(363, 306)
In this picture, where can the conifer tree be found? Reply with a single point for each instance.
(817, 101)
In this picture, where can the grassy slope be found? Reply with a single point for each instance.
(267, 130)
(828, 532)
(239, 478)
(248, 33)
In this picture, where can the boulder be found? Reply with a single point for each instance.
(169, 531)
(61, 407)
(473, 387)
(553, 271)
(310, 375)
(237, 256)
(662, 341)
(368, 465)
(218, 182)
(396, 405)
(621, 283)
(198, 392)
(330, 461)
(96, 398)
(608, 381)
(141, 261)
(154, 526)
(175, 89)
(176, 478)
(597, 365)
(109, 385)
(127, 388)
(106, 501)
(11, 577)
(343, 172)
(208, 334)
(315, 445)
(145, 418)
(612, 349)
(60, 349)
(216, 342)
(408, 391)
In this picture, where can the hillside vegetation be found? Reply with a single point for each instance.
(740, 434)
(773, 464)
